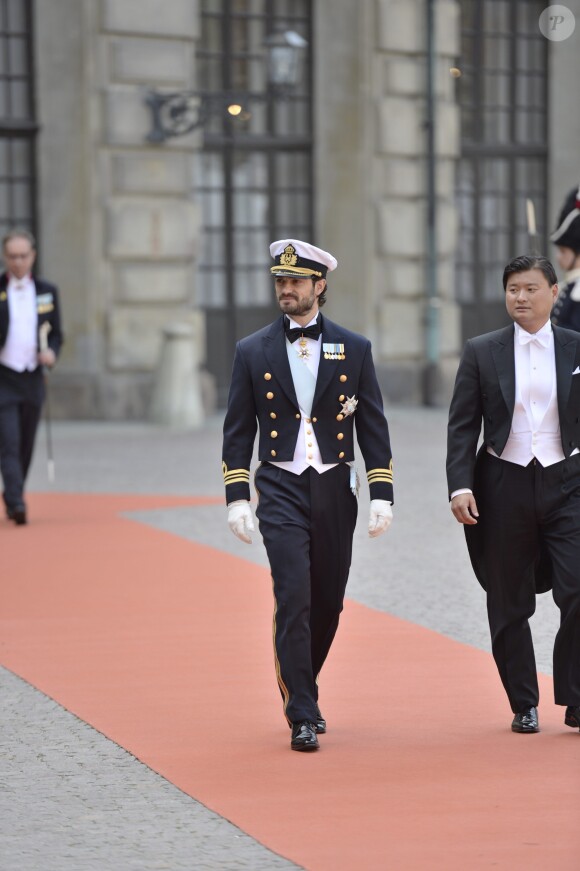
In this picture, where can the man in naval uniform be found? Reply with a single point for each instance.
(566, 311)
(304, 380)
(30, 338)
(520, 500)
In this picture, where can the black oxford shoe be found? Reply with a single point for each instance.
(304, 736)
(320, 722)
(572, 716)
(526, 721)
(17, 514)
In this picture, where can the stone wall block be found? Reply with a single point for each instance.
(401, 228)
(405, 75)
(401, 25)
(151, 172)
(152, 283)
(400, 126)
(399, 176)
(406, 278)
(178, 18)
(447, 28)
(135, 335)
(162, 61)
(151, 229)
(401, 329)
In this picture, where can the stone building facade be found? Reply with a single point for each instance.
(121, 223)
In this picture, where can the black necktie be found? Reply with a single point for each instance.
(293, 333)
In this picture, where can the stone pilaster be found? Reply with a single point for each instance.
(399, 85)
(125, 247)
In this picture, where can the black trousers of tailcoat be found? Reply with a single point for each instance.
(521, 507)
(21, 397)
(307, 522)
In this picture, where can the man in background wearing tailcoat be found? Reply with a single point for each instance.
(520, 500)
(30, 339)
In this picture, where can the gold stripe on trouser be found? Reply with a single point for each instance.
(281, 684)
(257, 490)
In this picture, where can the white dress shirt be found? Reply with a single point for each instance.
(535, 430)
(307, 453)
(20, 351)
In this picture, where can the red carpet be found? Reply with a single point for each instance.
(165, 647)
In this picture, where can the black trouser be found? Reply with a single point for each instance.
(519, 507)
(20, 408)
(307, 522)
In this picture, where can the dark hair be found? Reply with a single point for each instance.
(322, 297)
(19, 234)
(530, 261)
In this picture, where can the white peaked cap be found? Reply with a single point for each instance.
(296, 258)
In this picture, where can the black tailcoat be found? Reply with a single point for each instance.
(485, 390)
(47, 309)
(22, 394)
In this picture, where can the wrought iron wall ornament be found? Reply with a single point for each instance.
(181, 112)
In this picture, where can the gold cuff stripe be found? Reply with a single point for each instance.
(228, 473)
(373, 474)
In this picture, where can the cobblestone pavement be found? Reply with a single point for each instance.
(71, 799)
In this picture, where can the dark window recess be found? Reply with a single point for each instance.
(254, 176)
(18, 126)
(503, 103)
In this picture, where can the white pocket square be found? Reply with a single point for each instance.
(576, 371)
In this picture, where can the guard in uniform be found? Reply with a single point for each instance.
(566, 311)
(304, 381)
(30, 338)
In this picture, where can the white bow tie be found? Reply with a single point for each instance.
(542, 339)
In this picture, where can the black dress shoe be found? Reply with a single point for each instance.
(572, 716)
(17, 514)
(526, 721)
(320, 722)
(304, 736)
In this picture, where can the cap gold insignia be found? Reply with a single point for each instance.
(288, 257)
(332, 351)
(349, 406)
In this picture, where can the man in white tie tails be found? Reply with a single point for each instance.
(519, 500)
(304, 380)
(28, 306)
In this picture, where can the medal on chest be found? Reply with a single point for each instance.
(302, 350)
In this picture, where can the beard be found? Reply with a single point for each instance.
(298, 307)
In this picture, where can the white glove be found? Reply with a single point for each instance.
(240, 520)
(380, 517)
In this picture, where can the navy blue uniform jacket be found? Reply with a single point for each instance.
(262, 393)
